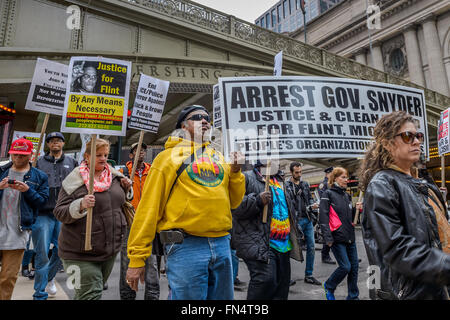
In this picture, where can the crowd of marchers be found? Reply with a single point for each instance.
(199, 214)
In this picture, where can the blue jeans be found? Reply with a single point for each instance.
(235, 262)
(308, 229)
(44, 232)
(200, 268)
(347, 258)
(28, 256)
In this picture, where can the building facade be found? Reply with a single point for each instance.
(410, 39)
(190, 45)
(287, 16)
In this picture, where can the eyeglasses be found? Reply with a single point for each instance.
(199, 117)
(88, 77)
(409, 137)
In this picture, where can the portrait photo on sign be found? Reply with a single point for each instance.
(95, 77)
(216, 93)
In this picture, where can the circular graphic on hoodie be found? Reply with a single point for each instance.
(206, 171)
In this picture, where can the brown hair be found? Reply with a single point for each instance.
(377, 157)
(337, 172)
(99, 143)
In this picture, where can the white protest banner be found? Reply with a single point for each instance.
(443, 133)
(97, 96)
(217, 113)
(149, 104)
(34, 138)
(278, 64)
(48, 87)
(313, 117)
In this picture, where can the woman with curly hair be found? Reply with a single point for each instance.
(405, 223)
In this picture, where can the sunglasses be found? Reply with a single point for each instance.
(199, 117)
(408, 137)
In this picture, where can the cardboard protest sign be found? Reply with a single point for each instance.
(48, 87)
(34, 138)
(149, 104)
(97, 96)
(443, 133)
(312, 117)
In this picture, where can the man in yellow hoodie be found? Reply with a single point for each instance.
(187, 199)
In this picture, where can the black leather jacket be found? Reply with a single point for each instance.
(401, 237)
(250, 236)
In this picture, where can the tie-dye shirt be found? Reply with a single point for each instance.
(279, 226)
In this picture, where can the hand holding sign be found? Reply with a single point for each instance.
(266, 197)
(359, 207)
(237, 158)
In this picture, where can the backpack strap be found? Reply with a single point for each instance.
(184, 165)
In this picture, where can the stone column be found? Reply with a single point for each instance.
(377, 56)
(413, 56)
(439, 81)
(360, 56)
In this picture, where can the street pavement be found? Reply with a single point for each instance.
(299, 291)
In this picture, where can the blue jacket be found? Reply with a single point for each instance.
(31, 200)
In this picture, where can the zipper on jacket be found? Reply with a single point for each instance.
(20, 213)
(25, 179)
(403, 287)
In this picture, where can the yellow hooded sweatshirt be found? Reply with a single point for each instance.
(200, 202)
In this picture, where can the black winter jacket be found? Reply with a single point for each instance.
(401, 237)
(56, 170)
(250, 236)
(342, 204)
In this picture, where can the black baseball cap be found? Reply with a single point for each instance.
(328, 170)
(185, 112)
(55, 135)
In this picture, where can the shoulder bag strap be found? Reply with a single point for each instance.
(183, 167)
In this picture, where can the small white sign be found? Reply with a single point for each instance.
(217, 112)
(48, 87)
(443, 133)
(278, 65)
(149, 104)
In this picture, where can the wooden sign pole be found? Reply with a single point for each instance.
(264, 219)
(138, 152)
(43, 129)
(357, 211)
(87, 240)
